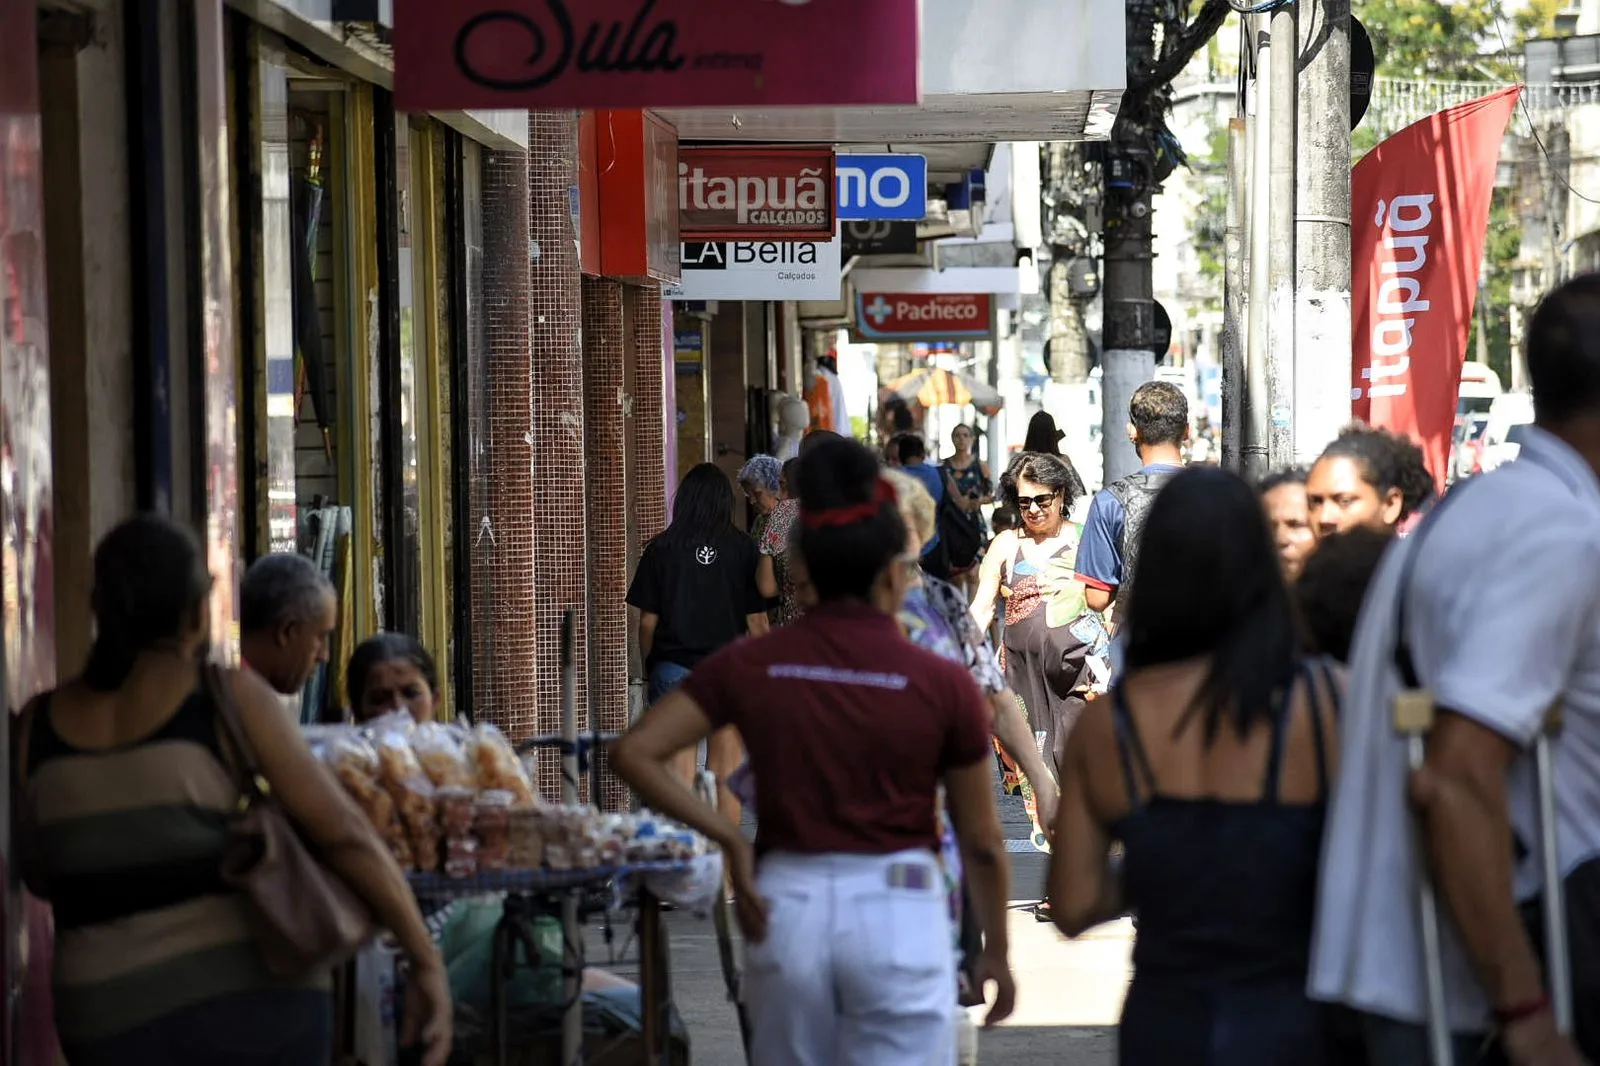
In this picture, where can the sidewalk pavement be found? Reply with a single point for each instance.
(1069, 993)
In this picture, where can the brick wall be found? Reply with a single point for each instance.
(559, 572)
(647, 489)
(606, 489)
(503, 539)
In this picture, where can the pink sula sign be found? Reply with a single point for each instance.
(467, 54)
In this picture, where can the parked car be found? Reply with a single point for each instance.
(1466, 445)
(1502, 437)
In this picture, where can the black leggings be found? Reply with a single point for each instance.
(290, 1027)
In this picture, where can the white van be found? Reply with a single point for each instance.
(1502, 436)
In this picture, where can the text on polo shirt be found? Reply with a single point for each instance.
(838, 675)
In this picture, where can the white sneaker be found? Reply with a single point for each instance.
(966, 1039)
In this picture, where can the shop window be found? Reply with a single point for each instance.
(412, 217)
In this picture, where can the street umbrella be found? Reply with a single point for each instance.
(932, 386)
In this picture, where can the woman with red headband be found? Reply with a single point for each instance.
(851, 730)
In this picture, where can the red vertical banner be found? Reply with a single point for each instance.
(1419, 204)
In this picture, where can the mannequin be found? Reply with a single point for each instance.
(794, 418)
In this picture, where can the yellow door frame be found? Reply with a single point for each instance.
(358, 232)
(428, 237)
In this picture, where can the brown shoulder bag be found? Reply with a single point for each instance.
(305, 917)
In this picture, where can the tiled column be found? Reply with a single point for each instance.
(647, 489)
(560, 531)
(503, 538)
(605, 484)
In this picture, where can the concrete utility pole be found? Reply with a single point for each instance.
(1322, 384)
(1063, 171)
(1258, 336)
(1233, 292)
(1281, 221)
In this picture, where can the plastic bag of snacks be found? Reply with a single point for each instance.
(498, 767)
(492, 826)
(354, 764)
(414, 795)
(442, 752)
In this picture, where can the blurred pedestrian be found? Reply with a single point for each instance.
(287, 613)
(1209, 762)
(128, 789)
(1492, 602)
(1043, 654)
(761, 481)
(969, 486)
(1367, 477)
(695, 590)
(1284, 496)
(392, 672)
(1158, 426)
(1332, 585)
(851, 730)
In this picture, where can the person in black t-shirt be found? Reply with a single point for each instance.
(695, 591)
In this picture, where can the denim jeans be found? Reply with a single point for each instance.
(1395, 1043)
(664, 677)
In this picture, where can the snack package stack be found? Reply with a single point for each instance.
(414, 794)
(442, 752)
(354, 764)
(499, 769)
(457, 812)
(491, 824)
(525, 838)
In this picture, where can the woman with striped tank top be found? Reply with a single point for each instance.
(125, 799)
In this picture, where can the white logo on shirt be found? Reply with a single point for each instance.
(705, 555)
(803, 672)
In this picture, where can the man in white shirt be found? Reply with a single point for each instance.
(1502, 614)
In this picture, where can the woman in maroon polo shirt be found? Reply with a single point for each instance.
(850, 730)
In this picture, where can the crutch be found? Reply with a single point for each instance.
(1414, 714)
(1413, 718)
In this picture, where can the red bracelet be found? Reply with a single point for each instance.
(1506, 1016)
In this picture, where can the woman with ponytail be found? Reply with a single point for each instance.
(851, 731)
(127, 789)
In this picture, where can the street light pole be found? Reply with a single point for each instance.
(1258, 338)
(1284, 88)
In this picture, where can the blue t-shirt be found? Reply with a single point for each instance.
(933, 480)
(1100, 549)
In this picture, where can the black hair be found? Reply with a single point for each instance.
(150, 583)
(278, 589)
(816, 437)
(1221, 594)
(1051, 471)
(1332, 584)
(1294, 475)
(1159, 412)
(1562, 351)
(913, 449)
(1003, 518)
(702, 509)
(1043, 437)
(386, 648)
(789, 468)
(843, 561)
(1386, 461)
(899, 413)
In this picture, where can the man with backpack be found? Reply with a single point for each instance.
(1158, 425)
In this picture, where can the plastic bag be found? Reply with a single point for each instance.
(414, 795)
(498, 767)
(354, 764)
(442, 753)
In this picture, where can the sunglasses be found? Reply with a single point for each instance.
(1028, 503)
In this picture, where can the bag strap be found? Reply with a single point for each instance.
(245, 767)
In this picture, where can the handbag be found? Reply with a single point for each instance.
(305, 918)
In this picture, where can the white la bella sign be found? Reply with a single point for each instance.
(759, 270)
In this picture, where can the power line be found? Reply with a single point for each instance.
(1538, 141)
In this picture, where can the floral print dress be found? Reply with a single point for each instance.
(777, 541)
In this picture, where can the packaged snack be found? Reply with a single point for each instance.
(498, 766)
(492, 827)
(457, 811)
(441, 752)
(413, 794)
(525, 838)
(460, 857)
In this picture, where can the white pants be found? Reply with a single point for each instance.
(857, 967)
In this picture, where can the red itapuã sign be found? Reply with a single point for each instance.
(751, 194)
(923, 314)
(552, 54)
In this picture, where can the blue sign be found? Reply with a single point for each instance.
(874, 188)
